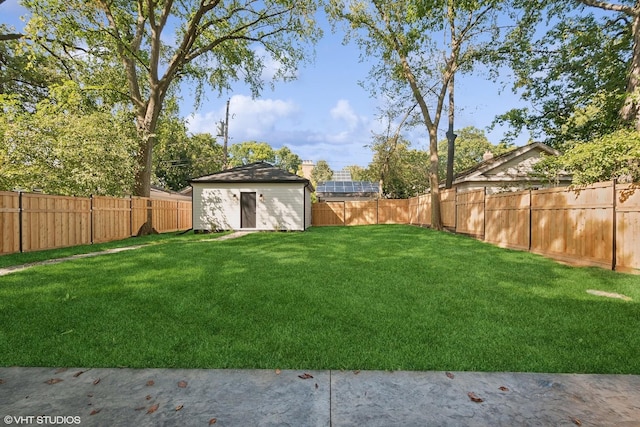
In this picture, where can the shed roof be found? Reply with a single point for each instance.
(258, 172)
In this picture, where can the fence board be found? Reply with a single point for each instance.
(448, 207)
(139, 213)
(165, 215)
(184, 216)
(327, 213)
(393, 211)
(9, 222)
(111, 219)
(361, 213)
(50, 222)
(574, 225)
(628, 227)
(507, 217)
(470, 213)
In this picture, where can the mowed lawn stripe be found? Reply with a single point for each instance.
(374, 297)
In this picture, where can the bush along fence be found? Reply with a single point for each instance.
(31, 222)
(595, 225)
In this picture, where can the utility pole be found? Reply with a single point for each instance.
(223, 131)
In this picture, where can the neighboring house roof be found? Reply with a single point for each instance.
(258, 172)
(159, 193)
(491, 169)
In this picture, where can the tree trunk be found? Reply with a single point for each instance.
(451, 137)
(630, 111)
(434, 182)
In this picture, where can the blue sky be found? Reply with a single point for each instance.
(325, 114)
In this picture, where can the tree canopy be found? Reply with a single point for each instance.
(137, 52)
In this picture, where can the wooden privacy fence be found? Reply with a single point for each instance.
(361, 213)
(596, 225)
(30, 222)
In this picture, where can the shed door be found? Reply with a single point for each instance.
(248, 210)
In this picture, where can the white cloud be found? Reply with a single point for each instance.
(344, 112)
(249, 118)
(338, 136)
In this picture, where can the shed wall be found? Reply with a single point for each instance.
(281, 206)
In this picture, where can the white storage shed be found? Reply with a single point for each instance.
(257, 196)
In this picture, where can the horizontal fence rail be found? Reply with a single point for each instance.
(595, 225)
(31, 222)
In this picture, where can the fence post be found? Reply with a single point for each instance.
(484, 214)
(20, 230)
(91, 221)
(455, 209)
(130, 215)
(377, 211)
(530, 218)
(614, 235)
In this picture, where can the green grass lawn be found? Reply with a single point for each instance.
(375, 297)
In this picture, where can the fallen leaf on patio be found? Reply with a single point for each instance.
(179, 407)
(503, 388)
(60, 370)
(140, 408)
(305, 376)
(153, 409)
(150, 383)
(1, 381)
(278, 371)
(148, 397)
(90, 395)
(182, 384)
(95, 411)
(316, 385)
(576, 421)
(54, 381)
(356, 372)
(77, 374)
(213, 421)
(450, 375)
(96, 381)
(474, 398)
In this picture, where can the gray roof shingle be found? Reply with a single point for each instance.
(253, 173)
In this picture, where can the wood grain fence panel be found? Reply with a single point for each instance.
(574, 225)
(9, 222)
(447, 208)
(470, 213)
(361, 213)
(507, 218)
(628, 228)
(327, 213)
(425, 209)
(393, 211)
(111, 218)
(184, 216)
(50, 222)
(138, 213)
(165, 215)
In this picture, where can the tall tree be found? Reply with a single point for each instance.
(630, 11)
(249, 152)
(321, 172)
(405, 35)
(573, 74)
(67, 145)
(127, 48)
(287, 160)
